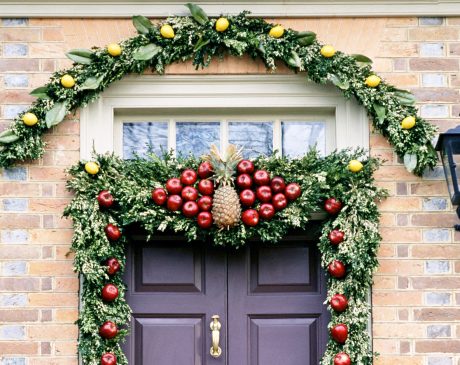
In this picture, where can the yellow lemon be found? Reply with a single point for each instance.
(67, 81)
(167, 31)
(114, 49)
(355, 166)
(92, 168)
(222, 24)
(276, 32)
(30, 119)
(328, 51)
(373, 81)
(408, 123)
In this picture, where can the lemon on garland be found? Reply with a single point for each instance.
(355, 166)
(328, 51)
(92, 168)
(67, 81)
(222, 24)
(114, 49)
(408, 123)
(373, 81)
(167, 31)
(276, 32)
(29, 119)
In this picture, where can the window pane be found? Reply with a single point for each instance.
(256, 138)
(137, 137)
(196, 138)
(298, 137)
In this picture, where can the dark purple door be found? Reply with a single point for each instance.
(269, 299)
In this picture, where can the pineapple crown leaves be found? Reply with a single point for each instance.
(224, 164)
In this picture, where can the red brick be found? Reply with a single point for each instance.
(19, 315)
(437, 314)
(444, 346)
(21, 35)
(53, 332)
(438, 251)
(451, 282)
(47, 174)
(24, 190)
(436, 95)
(434, 220)
(433, 34)
(18, 348)
(19, 221)
(433, 64)
(19, 284)
(22, 65)
(8, 252)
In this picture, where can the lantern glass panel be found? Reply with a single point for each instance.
(451, 162)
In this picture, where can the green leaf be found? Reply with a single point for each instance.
(294, 60)
(80, 55)
(344, 85)
(305, 38)
(198, 13)
(381, 112)
(200, 44)
(8, 136)
(405, 97)
(142, 24)
(147, 52)
(410, 161)
(361, 59)
(56, 114)
(40, 92)
(92, 83)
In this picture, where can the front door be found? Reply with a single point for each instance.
(269, 299)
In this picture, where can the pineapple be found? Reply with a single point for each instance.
(226, 208)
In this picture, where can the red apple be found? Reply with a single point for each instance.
(108, 330)
(339, 333)
(250, 217)
(267, 211)
(113, 266)
(189, 193)
(332, 206)
(245, 167)
(174, 203)
(174, 186)
(264, 194)
(292, 191)
(159, 196)
(339, 303)
(337, 269)
(112, 232)
(204, 220)
(342, 359)
(279, 201)
(205, 170)
(206, 187)
(247, 197)
(108, 359)
(244, 181)
(109, 292)
(261, 177)
(277, 184)
(205, 203)
(105, 199)
(190, 209)
(188, 177)
(336, 237)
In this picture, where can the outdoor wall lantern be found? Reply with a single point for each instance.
(449, 146)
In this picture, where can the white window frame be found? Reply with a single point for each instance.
(198, 92)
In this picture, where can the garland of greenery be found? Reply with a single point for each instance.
(131, 184)
(197, 38)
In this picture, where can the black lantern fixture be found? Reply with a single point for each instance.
(449, 146)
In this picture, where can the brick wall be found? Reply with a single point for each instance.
(416, 297)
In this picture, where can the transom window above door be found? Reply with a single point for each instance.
(291, 132)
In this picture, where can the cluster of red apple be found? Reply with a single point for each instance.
(181, 195)
(273, 194)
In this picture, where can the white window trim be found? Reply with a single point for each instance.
(97, 128)
(265, 8)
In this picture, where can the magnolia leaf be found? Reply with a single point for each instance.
(410, 161)
(198, 13)
(361, 59)
(80, 55)
(344, 85)
(40, 92)
(56, 114)
(294, 60)
(142, 24)
(147, 52)
(201, 43)
(8, 136)
(92, 83)
(381, 112)
(405, 97)
(305, 38)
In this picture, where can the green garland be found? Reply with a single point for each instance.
(196, 38)
(131, 183)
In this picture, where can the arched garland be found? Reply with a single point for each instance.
(200, 38)
(131, 183)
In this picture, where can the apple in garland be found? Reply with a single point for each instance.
(336, 237)
(206, 187)
(205, 203)
(174, 203)
(188, 177)
(339, 303)
(292, 191)
(109, 292)
(190, 209)
(204, 220)
(250, 217)
(267, 211)
(264, 194)
(205, 170)
(277, 184)
(159, 196)
(189, 193)
(261, 177)
(174, 186)
(244, 181)
(279, 201)
(247, 197)
(245, 167)
(108, 359)
(105, 199)
(108, 330)
(332, 206)
(112, 232)
(339, 333)
(337, 269)
(113, 266)
(342, 359)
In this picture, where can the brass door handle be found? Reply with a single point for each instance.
(215, 326)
